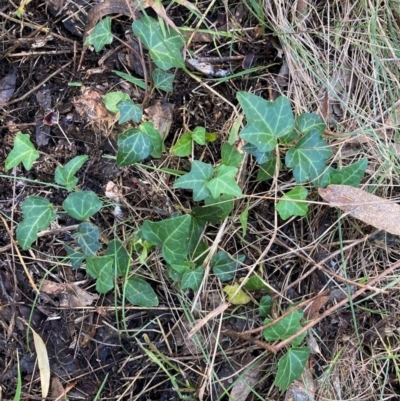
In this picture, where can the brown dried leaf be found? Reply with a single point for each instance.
(244, 384)
(7, 87)
(161, 114)
(90, 105)
(302, 389)
(370, 209)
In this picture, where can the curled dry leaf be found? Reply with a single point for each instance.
(161, 115)
(370, 209)
(90, 105)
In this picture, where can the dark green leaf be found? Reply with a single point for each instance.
(254, 283)
(133, 146)
(214, 210)
(38, 214)
(290, 367)
(308, 122)
(139, 292)
(183, 146)
(308, 157)
(76, 258)
(192, 279)
(120, 256)
(197, 180)
(265, 305)
(291, 203)
(112, 99)
(66, 175)
(163, 80)
(261, 157)
(200, 253)
(350, 175)
(88, 238)
(199, 135)
(243, 218)
(267, 170)
(195, 232)
(101, 35)
(129, 111)
(223, 266)
(182, 267)
(135, 81)
(155, 136)
(101, 268)
(224, 182)
(82, 204)
(230, 156)
(23, 152)
(165, 50)
(172, 234)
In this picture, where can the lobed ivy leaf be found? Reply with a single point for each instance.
(112, 99)
(155, 136)
(82, 204)
(87, 236)
(224, 182)
(101, 268)
(266, 304)
(223, 266)
(165, 47)
(214, 209)
(291, 203)
(129, 111)
(192, 279)
(66, 175)
(230, 156)
(291, 366)
(197, 180)
(101, 35)
(23, 152)
(172, 234)
(134, 145)
(38, 214)
(266, 121)
(255, 283)
(308, 157)
(285, 328)
(199, 135)
(139, 292)
(163, 80)
(120, 256)
(182, 268)
(76, 258)
(183, 146)
(308, 122)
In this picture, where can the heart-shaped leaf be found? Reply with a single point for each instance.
(133, 146)
(139, 292)
(172, 234)
(129, 111)
(101, 268)
(199, 135)
(291, 203)
(23, 152)
(183, 146)
(223, 266)
(101, 35)
(76, 258)
(155, 136)
(66, 175)
(266, 304)
(82, 204)
(88, 238)
(241, 298)
(163, 80)
(38, 214)
(112, 99)
(117, 251)
(308, 157)
(192, 279)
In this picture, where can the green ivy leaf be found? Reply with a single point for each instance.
(155, 136)
(183, 146)
(192, 279)
(223, 266)
(87, 236)
(308, 122)
(101, 268)
(230, 156)
(82, 204)
(350, 175)
(163, 80)
(266, 121)
(308, 157)
(200, 253)
(215, 209)
(197, 180)
(291, 205)
(135, 81)
(265, 305)
(129, 111)
(76, 258)
(267, 170)
(139, 292)
(112, 99)
(199, 135)
(66, 175)
(165, 50)
(133, 146)
(101, 35)
(172, 234)
(182, 267)
(224, 182)
(38, 214)
(261, 157)
(117, 251)
(241, 298)
(254, 283)
(290, 367)
(285, 328)
(195, 232)
(23, 152)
